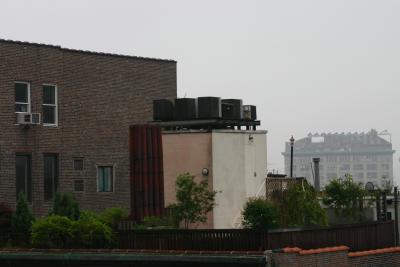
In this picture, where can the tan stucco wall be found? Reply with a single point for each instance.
(186, 152)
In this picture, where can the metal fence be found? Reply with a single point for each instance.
(356, 236)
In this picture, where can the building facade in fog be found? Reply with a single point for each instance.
(366, 156)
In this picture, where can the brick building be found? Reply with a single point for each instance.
(86, 101)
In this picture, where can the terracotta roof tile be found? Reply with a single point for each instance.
(323, 250)
(374, 252)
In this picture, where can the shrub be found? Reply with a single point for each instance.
(259, 214)
(65, 204)
(57, 231)
(153, 222)
(21, 221)
(89, 232)
(112, 216)
(52, 232)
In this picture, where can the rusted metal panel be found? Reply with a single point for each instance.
(147, 177)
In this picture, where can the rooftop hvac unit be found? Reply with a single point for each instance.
(28, 118)
(209, 107)
(249, 112)
(237, 109)
(185, 109)
(163, 110)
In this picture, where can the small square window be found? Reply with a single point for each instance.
(78, 164)
(79, 186)
(105, 179)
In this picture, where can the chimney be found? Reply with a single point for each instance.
(316, 171)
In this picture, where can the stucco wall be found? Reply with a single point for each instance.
(239, 169)
(186, 152)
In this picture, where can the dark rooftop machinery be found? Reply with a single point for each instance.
(204, 113)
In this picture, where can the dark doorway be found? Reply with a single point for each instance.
(50, 171)
(23, 175)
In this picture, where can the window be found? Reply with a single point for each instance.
(79, 186)
(50, 163)
(78, 164)
(358, 167)
(50, 115)
(372, 175)
(22, 97)
(360, 175)
(371, 167)
(345, 167)
(105, 179)
(385, 167)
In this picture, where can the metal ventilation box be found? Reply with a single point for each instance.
(209, 107)
(237, 109)
(249, 112)
(185, 109)
(163, 110)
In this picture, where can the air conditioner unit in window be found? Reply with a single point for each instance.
(28, 118)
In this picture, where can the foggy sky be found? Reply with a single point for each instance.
(309, 66)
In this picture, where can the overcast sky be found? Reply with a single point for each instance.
(309, 66)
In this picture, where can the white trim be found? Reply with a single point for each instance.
(29, 97)
(55, 105)
(113, 177)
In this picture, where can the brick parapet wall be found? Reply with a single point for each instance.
(334, 257)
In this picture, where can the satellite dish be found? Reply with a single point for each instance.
(369, 186)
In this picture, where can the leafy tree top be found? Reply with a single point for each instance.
(194, 200)
(259, 214)
(345, 197)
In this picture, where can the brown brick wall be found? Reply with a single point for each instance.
(99, 97)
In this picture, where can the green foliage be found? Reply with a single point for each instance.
(345, 197)
(301, 208)
(153, 222)
(21, 221)
(260, 214)
(89, 232)
(112, 216)
(53, 231)
(194, 200)
(65, 204)
(57, 231)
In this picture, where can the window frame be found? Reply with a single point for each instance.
(55, 105)
(83, 183)
(23, 103)
(113, 177)
(78, 159)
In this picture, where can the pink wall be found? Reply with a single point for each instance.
(186, 152)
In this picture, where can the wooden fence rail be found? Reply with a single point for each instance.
(356, 236)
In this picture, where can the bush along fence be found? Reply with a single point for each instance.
(357, 237)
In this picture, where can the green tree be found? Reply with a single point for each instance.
(21, 221)
(345, 197)
(194, 200)
(66, 205)
(259, 214)
(302, 208)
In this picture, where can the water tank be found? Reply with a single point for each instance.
(209, 107)
(163, 110)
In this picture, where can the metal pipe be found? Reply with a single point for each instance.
(291, 156)
(396, 215)
(317, 184)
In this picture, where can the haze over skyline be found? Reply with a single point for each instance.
(308, 66)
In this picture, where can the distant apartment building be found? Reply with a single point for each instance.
(366, 156)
